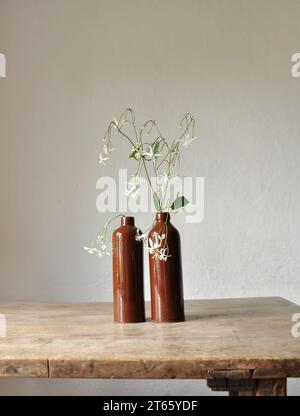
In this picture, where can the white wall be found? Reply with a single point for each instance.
(71, 65)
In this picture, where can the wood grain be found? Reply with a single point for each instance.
(81, 340)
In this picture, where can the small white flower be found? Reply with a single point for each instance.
(166, 177)
(91, 250)
(148, 153)
(140, 236)
(100, 242)
(159, 237)
(102, 159)
(155, 247)
(137, 152)
(100, 252)
(100, 238)
(132, 190)
(163, 254)
(107, 149)
(187, 140)
(154, 243)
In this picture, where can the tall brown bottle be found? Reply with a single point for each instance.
(128, 285)
(167, 303)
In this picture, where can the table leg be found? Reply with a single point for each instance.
(249, 387)
(276, 387)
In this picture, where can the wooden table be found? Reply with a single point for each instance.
(244, 346)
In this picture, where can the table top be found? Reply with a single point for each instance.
(81, 340)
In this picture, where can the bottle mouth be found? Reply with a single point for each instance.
(163, 216)
(127, 220)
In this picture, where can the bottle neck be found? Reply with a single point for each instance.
(162, 217)
(127, 220)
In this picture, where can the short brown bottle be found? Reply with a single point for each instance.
(167, 303)
(128, 285)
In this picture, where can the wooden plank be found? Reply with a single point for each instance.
(24, 368)
(232, 385)
(80, 340)
(229, 374)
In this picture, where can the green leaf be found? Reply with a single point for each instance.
(155, 147)
(180, 202)
(156, 201)
(133, 154)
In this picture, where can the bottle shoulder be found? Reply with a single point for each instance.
(125, 230)
(163, 228)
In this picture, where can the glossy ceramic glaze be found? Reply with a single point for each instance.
(167, 303)
(128, 285)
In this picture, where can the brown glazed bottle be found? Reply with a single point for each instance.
(167, 303)
(128, 285)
